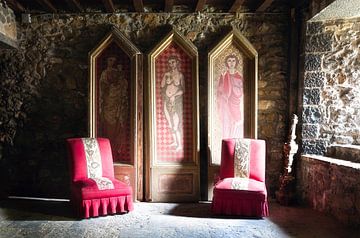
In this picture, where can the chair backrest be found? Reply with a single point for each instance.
(257, 153)
(90, 157)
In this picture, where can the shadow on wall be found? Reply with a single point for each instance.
(52, 91)
(37, 164)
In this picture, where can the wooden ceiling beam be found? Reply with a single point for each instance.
(298, 3)
(169, 4)
(200, 5)
(138, 5)
(109, 6)
(16, 6)
(47, 5)
(264, 5)
(236, 5)
(75, 5)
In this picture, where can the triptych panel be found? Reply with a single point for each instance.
(166, 166)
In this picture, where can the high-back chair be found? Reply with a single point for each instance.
(94, 190)
(241, 189)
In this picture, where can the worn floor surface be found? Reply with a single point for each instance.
(23, 218)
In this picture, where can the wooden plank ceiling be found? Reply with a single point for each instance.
(117, 6)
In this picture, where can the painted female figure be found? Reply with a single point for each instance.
(114, 102)
(172, 89)
(230, 99)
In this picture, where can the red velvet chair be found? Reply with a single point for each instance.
(94, 190)
(241, 189)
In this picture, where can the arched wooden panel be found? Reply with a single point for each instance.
(116, 104)
(172, 145)
(232, 96)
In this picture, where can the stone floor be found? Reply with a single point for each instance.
(24, 218)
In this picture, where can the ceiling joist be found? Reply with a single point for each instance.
(47, 5)
(236, 6)
(264, 5)
(16, 6)
(169, 4)
(138, 5)
(109, 6)
(200, 5)
(75, 5)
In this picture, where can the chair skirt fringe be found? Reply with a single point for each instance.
(239, 207)
(104, 206)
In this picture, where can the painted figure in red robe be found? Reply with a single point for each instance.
(230, 99)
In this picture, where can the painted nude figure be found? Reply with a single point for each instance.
(172, 89)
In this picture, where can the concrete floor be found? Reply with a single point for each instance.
(23, 218)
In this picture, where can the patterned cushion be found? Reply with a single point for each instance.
(94, 164)
(242, 158)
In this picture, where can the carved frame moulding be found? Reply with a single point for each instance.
(116, 105)
(232, 96)
(172, 121)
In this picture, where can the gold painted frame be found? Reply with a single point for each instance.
(234, 40)
(153, 167)
(132, 172)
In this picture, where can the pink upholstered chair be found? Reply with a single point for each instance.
(94, 190)
(241, 189)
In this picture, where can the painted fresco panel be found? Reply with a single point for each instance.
(174, 124)
(113, 86)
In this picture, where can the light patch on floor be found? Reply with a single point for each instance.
(25, 218)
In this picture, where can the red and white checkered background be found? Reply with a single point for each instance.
(165, 153)
(122, 152)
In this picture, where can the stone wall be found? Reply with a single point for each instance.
(44, 87)
(331, 186)
(331, 95)
(7, 27)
